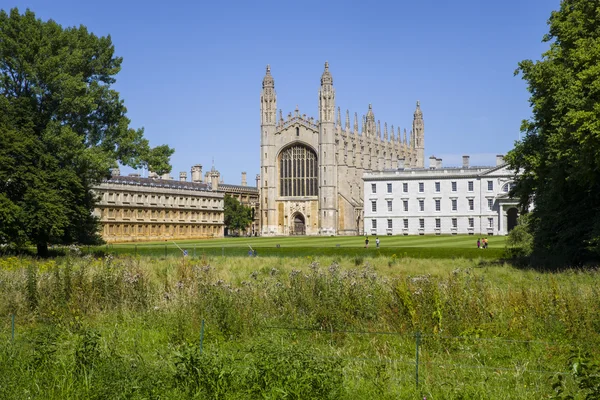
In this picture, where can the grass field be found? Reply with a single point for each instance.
(351, 246)
(324, 327)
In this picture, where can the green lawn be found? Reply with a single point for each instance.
(352, 246)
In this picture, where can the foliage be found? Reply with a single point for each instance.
(520, 240)
(62, 128)
(559, 158)
(237, 216)
(586, 372)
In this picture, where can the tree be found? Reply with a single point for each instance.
(237, 216)
(62, 128)
(559, 157)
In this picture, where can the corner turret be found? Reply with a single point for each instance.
(418, 136)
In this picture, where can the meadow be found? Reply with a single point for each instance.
(356, 326)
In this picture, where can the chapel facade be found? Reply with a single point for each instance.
(311, 170)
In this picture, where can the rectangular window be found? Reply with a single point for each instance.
(421, 205)
(389, 224)
(437, 205)
(490, 185)
(422, 223)
(421, 187)
(454, 186)
(490, 204)
(454, 205)
(454, 222)
(490, 222)
(405, 187)
(373, 188)
(374, 206)
(389, 205)
(471, 222)
(405, 223)
(437, 187)
(438, 223)
(405, 204)
(471, 204)
(374, 223)
(470, 186)
(389, 188)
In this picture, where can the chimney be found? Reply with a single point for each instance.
(214, 180)
(432, 162)
(152, 175)
(244, 179)
(182, 176)
(197, 173)
(438, 163)
(166, 177)
(465, 161)
(115, 171)
(401, 163)
(258, 181)
(499, 159)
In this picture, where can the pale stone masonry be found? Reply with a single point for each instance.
(132, 208)
(142, 209)
(311, 171)
(437, 200)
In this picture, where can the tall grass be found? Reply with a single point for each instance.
(310, 327)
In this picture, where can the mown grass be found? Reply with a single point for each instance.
(440, 247)
(312, 327)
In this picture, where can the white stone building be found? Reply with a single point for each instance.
(440, 201)
(311, 169)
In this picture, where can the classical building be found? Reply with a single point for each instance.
(133, 208)
(311, 171)
(440, 200)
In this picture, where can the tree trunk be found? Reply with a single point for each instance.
(42, 250)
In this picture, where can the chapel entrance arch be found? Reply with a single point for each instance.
(298, 224)
(511, 218)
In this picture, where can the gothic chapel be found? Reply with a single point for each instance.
(311, 171)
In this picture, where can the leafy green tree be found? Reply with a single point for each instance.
(559, 157)
(237, 216)
(62, 128)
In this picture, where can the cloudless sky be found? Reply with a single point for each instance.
(193, 70)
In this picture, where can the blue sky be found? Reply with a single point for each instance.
(192, 71)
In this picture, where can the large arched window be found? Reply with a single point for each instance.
(298, 172)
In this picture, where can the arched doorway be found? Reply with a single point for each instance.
(511, 218)
(298, 225)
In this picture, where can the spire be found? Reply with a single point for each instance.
(327, 97)
(356, 122)
(268, 100)
(347, 120)
(418, 112)
(405, 140)
(364, 125)
(280, 116)
(385, 133)
(268, 81)
(326, 78)
(379, 129)
(392, 133)
(370, 122)
(339, 117)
